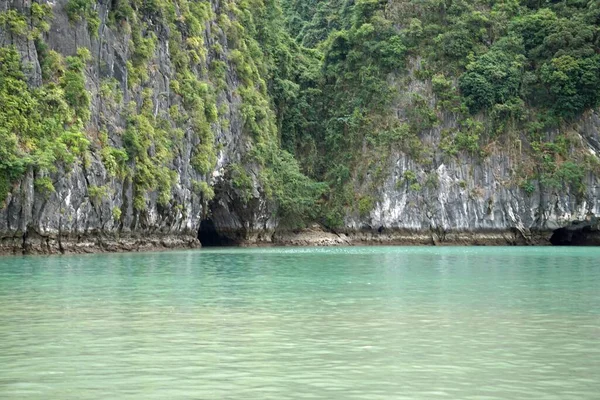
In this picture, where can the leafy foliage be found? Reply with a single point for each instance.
(39, 127)
(524, 67)
(495, 77)
(78, 10)
(326, 90)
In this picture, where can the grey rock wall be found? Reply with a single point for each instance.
(69, 220)
(474, 195)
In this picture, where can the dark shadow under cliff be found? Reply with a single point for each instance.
(579, 233)
(209, 236)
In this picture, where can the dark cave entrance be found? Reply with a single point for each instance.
(561, 237)
(209, 236)
(571, 237)
(579, 233)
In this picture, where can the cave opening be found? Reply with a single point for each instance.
(579, 233)
(561, 237)
(582, 236)
(209, 235)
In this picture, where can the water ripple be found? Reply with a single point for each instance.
(354, 323)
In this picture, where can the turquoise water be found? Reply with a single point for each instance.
(349, 323)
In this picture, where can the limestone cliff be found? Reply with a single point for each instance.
(91, 208)
(176, 136)
(471, 198)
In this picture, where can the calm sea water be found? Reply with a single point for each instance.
(349, 323)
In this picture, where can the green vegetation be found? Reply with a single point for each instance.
(98, 193)
(326, 92)
(116, 213)
(365, 205)
(73, 84)
(44, 186)
(17, 24)
(505, 70)
(85, 10)
(203, 189)
(40, 128)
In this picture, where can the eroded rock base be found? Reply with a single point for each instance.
(317, 236)
(32, 243)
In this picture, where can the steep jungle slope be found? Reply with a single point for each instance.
(455, 119)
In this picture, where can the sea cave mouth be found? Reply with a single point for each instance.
(209, 235)
(579, 233)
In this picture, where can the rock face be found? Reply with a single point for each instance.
(461, 201)
(470, 199)
(465, 196)
(71, 219)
